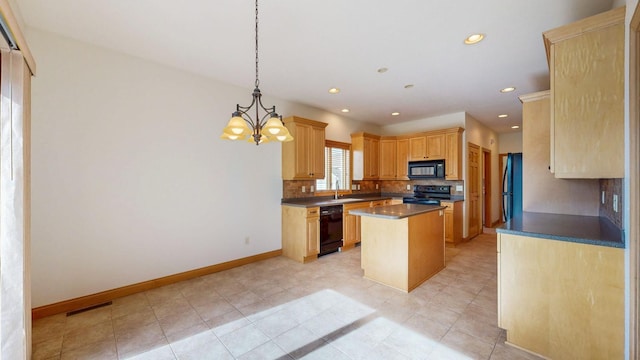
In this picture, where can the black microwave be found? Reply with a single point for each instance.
(430, 169)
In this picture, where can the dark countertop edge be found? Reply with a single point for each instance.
(613, 236)
(454, 199)
(325, 201)
(378, 212)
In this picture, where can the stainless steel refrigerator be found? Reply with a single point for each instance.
(512, 187)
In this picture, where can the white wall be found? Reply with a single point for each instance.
(510, 142)
(130, 179)
(433, 123)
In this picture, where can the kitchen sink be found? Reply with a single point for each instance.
(339, 201)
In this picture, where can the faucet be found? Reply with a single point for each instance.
(337, 185)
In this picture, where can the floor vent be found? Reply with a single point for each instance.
(88, 308)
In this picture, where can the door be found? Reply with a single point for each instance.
(486, 187)
(474, 179)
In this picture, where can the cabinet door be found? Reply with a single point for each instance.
(350, 229)
(313, 236)
(302, 148)
(316, 153)
(388, 159)
(418, 148)
(448, 225)
(452, 163)
(435, 146)
(374, 159)
(402, 152)
(587, 101)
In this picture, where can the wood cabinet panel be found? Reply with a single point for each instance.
(453, 222)
(402, 158)
(300, 233)
(586, 61)
(453, 154)
(435, 147)
(303, 158)
(365, 150)
(417, 148)
(542, 192)
(559, 299)
(351, 223)
(388, 159)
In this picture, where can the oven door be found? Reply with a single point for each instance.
(421, 201)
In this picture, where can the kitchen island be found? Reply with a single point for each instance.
(561, 285)
(402, 245)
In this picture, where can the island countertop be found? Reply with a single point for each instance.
(592, 230)
(397, 211)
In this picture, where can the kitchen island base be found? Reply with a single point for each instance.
(403, 252)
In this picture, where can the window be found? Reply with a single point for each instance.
(336, 167)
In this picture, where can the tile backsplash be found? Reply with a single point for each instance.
(293, 188)
(611, 187)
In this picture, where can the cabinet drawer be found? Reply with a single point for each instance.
(448, 205)
(313, 212)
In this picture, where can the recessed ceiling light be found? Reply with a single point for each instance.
(345, 110)
(473, 39)
(503, 115)
(515, 127)
(395, 113)
(507, 89)
(408, 86)
(383, 70)
(334, 91)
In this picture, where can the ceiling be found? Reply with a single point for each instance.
(307, 47)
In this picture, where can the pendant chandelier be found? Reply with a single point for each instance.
(260, 129)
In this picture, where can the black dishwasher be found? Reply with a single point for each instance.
(330, 229)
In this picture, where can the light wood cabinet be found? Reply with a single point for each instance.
(541, 191)
(452, 221)
(403, 253)
(394, 154)
(303, 158)
(560, 299)
(300, 233)
(388, 159)
(586, 63)
(365, 149)
(428, 146)
(453, 154)
(402, 158)
(351, 223)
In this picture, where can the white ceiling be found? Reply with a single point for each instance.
(307, 47)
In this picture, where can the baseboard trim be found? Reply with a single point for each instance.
(108, 295)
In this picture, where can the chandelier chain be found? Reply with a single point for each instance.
(257, 81)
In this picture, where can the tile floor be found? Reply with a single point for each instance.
(280, 309)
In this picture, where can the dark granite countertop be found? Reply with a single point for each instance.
(329, 200)
(455, 198)
(591, 230)
(398, 211)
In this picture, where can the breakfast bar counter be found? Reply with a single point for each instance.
(402, 245)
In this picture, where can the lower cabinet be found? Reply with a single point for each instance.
(300, 233)
(351, 223)
(560, 299)
(452, 221)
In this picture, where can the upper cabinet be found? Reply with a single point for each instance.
(303, 158)
(426, 146)
(453, 154)
(366, 156)
(586, 64)
(394, 154)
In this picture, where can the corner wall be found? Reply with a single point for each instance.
(130, 179)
